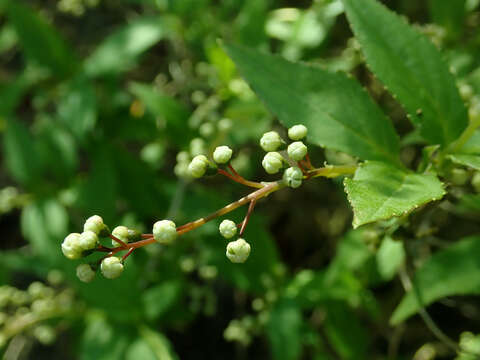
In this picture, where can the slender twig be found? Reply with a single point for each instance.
(120, 242)
(247, 216)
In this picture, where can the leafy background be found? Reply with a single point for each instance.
(97, 98)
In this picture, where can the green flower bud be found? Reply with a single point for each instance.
(95, 224)
(111, 267)
(459, 177)
(134, 235)
(44, 334)
(272, 162)
(271, 141)
(293, 177)
(88, 240)
(476, 181)
(297, 150)
(71, 248)
(121, 233)
(297, 132)
(206, 129)
(222, 154)
(183, 157)
(225, 125)
(181, 170)
(238, 251)
(197, 146)
(85, 273)
(198, 166)
(164, 231)
(227, 229)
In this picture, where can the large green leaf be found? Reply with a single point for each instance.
(39, 40)
(453, 271)
(411, 68)
(338, 112)
(120, 50)
(380, 191)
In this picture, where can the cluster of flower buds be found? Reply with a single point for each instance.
(201, 165)
(274, 161)
(238, 250)
(76, 246)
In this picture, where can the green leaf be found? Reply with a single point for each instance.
(158, 299)
(453, 271)
(78, 108)
(390, 256)
(379, 191)
(472, 161)
(39, 40)
(283, 330)
(337, 111)
(159, 345)
(20, 153)
(45, 223)
(120, 50)
(345, 331)
(411, 68)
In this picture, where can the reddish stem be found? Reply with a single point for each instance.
(128, 253)
(123, 245)
(247, 216)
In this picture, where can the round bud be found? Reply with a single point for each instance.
(293, 177)
(459, 177)
(227, 229)
(85, 273)
(71, 248)
(111, 267)
(198, 166)
(476, 181)
(272, 162)
(88, 240)
(297, 132)
(222, 154)
(238, 251)
(197, 146)
(206, 129)
(121, 233)
(297, 150)
(271, 141)
(181, 170)
(164, 231)
(94, 223)
(44, 334)
(224, 125)
(183, 157)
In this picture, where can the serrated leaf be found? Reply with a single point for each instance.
(453, 271)
(337, 111)
(39, 40)
(120, 50)
(472, 161)
(379, 191)
(412, 69)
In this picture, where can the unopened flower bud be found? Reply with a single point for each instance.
(225, 124)
(88, 240)
(164, 231)
(94, 223)
(272, 162)
(197, 146)
(222, 154)
(121, 233)
(238, 251)
(293, 177)
(271, 141)
(71, 248)
(111, 267)
(227, 229)
(297, 150)
(183, 157)
(198, 166)
(85, 273)
(297, 132)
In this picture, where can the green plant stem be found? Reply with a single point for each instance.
(466, 135)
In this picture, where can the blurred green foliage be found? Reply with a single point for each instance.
(96, 100)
